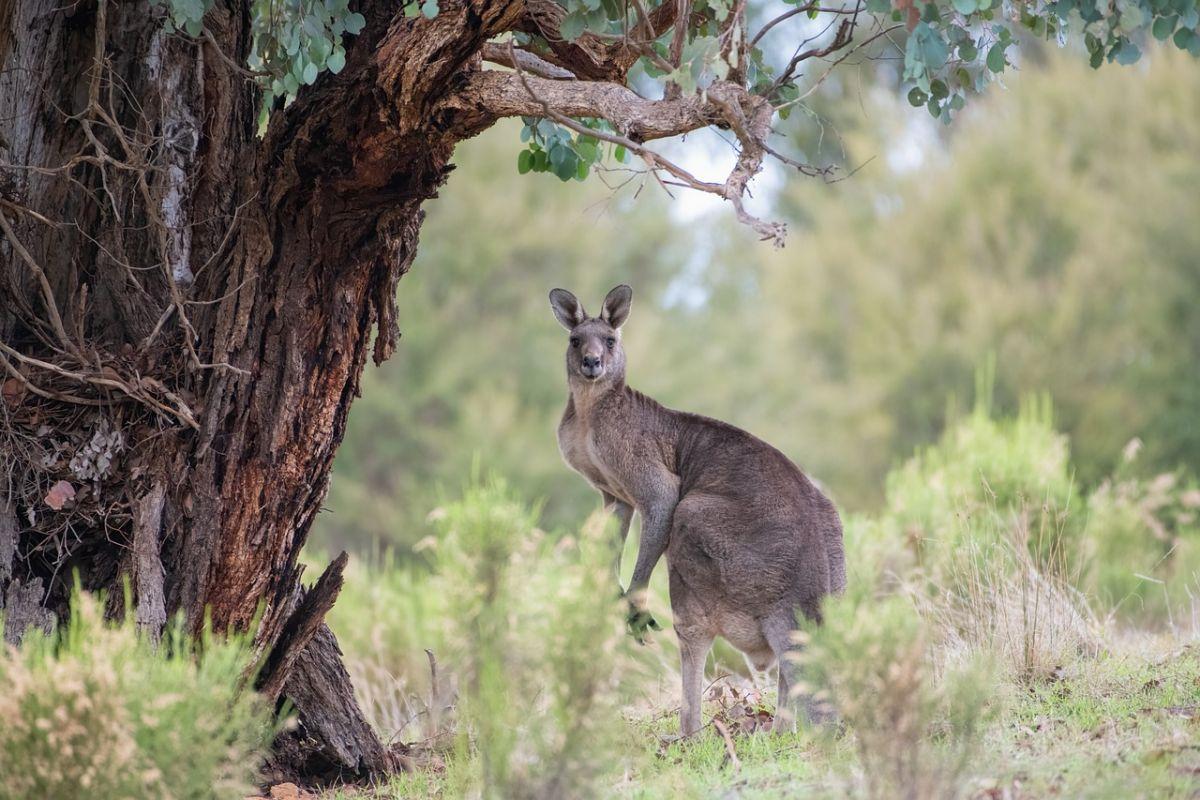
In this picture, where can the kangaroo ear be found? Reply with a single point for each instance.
(567, 309)
(616, 306)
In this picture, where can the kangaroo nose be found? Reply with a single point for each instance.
(591, 362)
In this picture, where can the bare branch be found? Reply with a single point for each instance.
(636, 121)
(504, 94)
(516, 58)
(817, 84)
(804, 9)
(843, 37)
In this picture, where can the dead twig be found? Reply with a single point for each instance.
(730, 753)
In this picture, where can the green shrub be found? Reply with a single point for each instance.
(1143, 546)
(1132, 547)
(983, 467)
(97, 710)
(916, 732)
(535, 632)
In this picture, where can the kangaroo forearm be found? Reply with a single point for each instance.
(624, 514)
(653, 543)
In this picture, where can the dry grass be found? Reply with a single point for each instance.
(998, 597)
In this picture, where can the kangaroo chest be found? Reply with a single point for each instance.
(579, 448)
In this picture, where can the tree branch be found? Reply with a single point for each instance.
(515, 58)
(636, 120)
(506, 94)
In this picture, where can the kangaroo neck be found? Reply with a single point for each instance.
(586, 395)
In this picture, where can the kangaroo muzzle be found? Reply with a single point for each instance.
(591, 367)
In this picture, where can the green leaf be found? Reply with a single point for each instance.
(194, 27)
(430, 9)
(1189, 42)
(620, 154)
(917, 98)
(879, 6)
(933, 49)
(939, 89)
(586, 148)
(337, 60)
(1127, 53)
(573, 25)
(995, 57)
(319, 49)
(524, 161)
(1132, 18)
(310, 73)
(355, 22)
(967, 51)
(264, 113)
(1164, 27)
(964, 7)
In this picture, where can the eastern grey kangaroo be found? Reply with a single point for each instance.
(749, 540)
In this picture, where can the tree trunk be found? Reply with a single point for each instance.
(186, 309)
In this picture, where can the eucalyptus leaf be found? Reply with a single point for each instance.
(995, 57)
(337, 60)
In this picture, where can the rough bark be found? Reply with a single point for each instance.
(212, 297)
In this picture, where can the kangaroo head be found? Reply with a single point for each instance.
(594, 352)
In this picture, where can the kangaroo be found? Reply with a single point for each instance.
(749, 540)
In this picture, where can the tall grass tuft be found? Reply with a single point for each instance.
(1000, 595)
(97, 710)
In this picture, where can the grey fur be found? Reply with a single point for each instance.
(749, 540)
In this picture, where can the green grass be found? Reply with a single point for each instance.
(1124, 725)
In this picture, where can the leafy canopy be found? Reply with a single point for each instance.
(777, 51)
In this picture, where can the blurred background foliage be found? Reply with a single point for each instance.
(1052, 229)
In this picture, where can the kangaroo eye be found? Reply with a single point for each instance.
(611, 342)
(575, 342)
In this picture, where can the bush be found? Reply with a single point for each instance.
(916, 733)
(97, 710)
(1131, 548)
(983, 468)
(536, 635)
